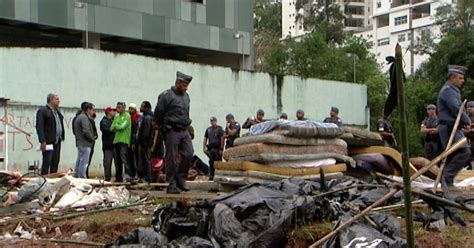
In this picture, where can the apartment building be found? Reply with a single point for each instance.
(357, 12)
(401, 21)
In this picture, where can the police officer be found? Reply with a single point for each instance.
(384, 127)
(232, 131)
(172, 117)
(449, 102)
(429, 126)
(213, 144)
(300, 115)
(333, 117)
(254, 120)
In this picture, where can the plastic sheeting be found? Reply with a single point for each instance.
(261, 216)
(306, 128)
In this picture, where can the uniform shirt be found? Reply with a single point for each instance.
(172, 110)
(230, 139)
(336, 121)
(384, 125)
(449, 102)
(431, 123)
(214, 137)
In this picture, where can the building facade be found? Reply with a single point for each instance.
(215, 32)
(403, 22)
(357, 13)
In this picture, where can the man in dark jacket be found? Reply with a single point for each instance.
(172, 116)
(108, 143)
(50, 130)
(85, 139)
(144, 141)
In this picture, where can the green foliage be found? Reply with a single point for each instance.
(323, 16)
(267, 34)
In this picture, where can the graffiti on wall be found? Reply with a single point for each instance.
(18, 141)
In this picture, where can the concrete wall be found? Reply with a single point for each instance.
(28, 75)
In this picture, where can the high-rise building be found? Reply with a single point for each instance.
(403, 22)
(357, 13)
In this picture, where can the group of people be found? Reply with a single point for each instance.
(217, 138)
(138, 140)
(134, 140)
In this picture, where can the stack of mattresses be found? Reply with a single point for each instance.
(360, 137)
(280, 149)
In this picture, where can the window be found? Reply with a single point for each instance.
(379, 4)
(401, 20)
(383, 42)
(401, 37)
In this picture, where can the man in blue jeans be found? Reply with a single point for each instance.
(85, 139)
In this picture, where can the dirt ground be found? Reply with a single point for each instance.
(106, 227)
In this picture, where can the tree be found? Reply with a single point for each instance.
(267, 32)
(322, 16)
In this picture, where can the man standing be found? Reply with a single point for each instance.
(429, 126)
(449, 102)
(384, 127)
(122, 127)
(172, 116)
(50, 130)
(144, 141)
(254, 120)
(213, 144)
(232, 131)
(108, 143)
(85, 139)
(333, 117)
(300, 115)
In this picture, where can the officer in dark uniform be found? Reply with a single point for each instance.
(213, 144)
(384, 127)
(470, 132)
(429, 126)
(333, 117)
(449, 102)
(232, 131)
(254, 119)
(172, 117)
(300, 115)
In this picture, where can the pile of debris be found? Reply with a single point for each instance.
(38, 196)
(261, 215)
(276, 150)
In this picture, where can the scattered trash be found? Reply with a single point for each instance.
(79, 236)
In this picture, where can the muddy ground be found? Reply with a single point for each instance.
(106, 227)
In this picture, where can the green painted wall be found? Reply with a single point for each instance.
(27, 75)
